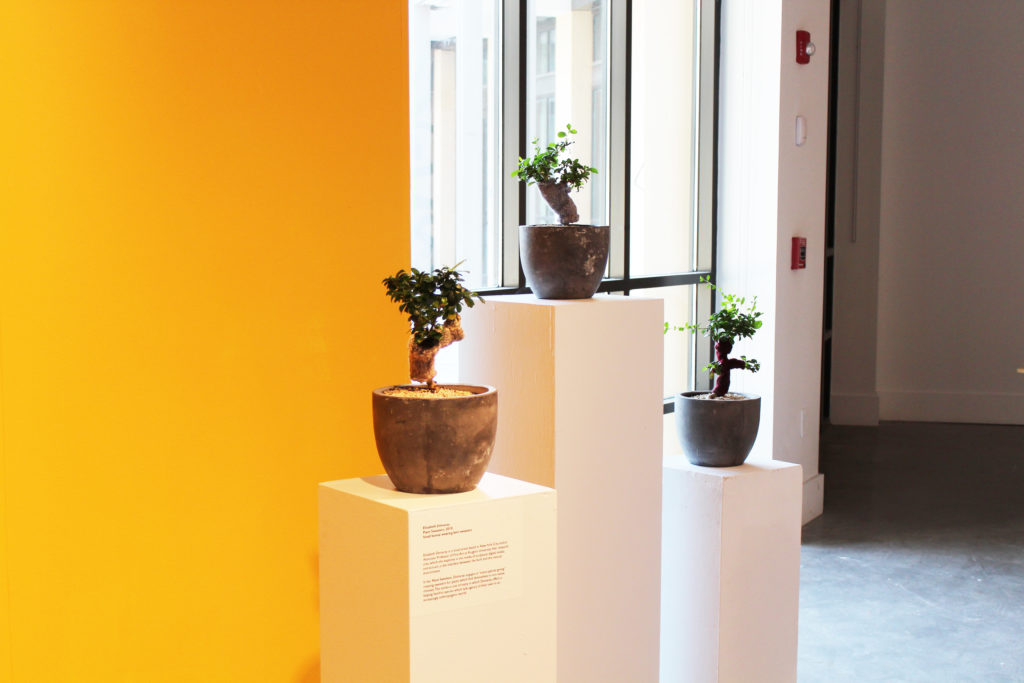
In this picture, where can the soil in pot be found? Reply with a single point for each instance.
(422, 392)
(435, 444)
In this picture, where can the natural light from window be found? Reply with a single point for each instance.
(488, 76)
(454, 84)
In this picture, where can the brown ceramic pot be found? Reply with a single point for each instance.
(436, 445)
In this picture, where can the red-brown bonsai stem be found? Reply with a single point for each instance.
(421, 360)
(727, 365)
(557, 197)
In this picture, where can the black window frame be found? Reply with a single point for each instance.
(708, 59)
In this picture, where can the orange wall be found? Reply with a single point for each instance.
(198, 200)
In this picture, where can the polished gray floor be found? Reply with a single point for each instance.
(916, 570)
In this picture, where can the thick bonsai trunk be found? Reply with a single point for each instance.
(557, 197)
(421, 360)
(726, 365)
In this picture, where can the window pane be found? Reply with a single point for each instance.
(670, 440)
(454, 106)
(567, 82)
(678, 345)
(662, 135)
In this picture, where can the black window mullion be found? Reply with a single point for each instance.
(628, 116)
(523, 46)
(627, 283)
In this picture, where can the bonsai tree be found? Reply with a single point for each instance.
(433, 302)
(733, 320)
(555, 176)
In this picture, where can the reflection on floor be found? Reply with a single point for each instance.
(916, 570)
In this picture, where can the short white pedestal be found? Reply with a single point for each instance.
(455, 588)
(731, 572)
(580, 409)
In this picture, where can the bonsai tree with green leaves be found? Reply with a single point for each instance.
(433, 302)
(734, 320)
(555, 176)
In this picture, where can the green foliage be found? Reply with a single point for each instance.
(734, 320)
(715, 367)
(430, 300)
(546, 167)
(730, 322)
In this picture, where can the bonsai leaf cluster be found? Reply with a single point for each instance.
(432, 301)
(555, 175)
(546, 166)
(734, 320)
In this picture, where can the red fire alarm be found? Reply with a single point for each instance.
(799, 259)
(804, 47)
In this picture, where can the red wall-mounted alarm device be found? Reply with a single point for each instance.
(804, 47)
(799, 259)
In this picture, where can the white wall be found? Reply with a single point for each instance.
(854, 398)
(950, 315)
(770, 190)
(950, 144)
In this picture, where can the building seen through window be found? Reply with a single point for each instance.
(454, 117)
(567, 84)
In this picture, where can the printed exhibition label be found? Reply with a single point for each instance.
(465, 555)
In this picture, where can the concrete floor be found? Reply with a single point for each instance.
(916, 570)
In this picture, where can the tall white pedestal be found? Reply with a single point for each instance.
(580, 409)
(731, 572)
(456, 588)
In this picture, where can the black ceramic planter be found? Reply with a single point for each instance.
(564, 261)
(716, 433)
(436, 445)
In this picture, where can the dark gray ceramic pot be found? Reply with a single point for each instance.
(564, 261)
(436, 445)
(716, 433)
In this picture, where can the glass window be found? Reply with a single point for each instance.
(567, 47)
(545, 45)
(454, 106)
(488, 76)
(662, 136)
(679, 346)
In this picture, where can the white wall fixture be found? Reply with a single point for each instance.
(580, 409)
(730, 572)
(437, 588)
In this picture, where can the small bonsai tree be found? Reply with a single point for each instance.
(555, 176)
(733, 320)
(433, 302)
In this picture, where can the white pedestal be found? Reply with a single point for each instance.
(456, 588)
(731, 572)
(580, 409)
